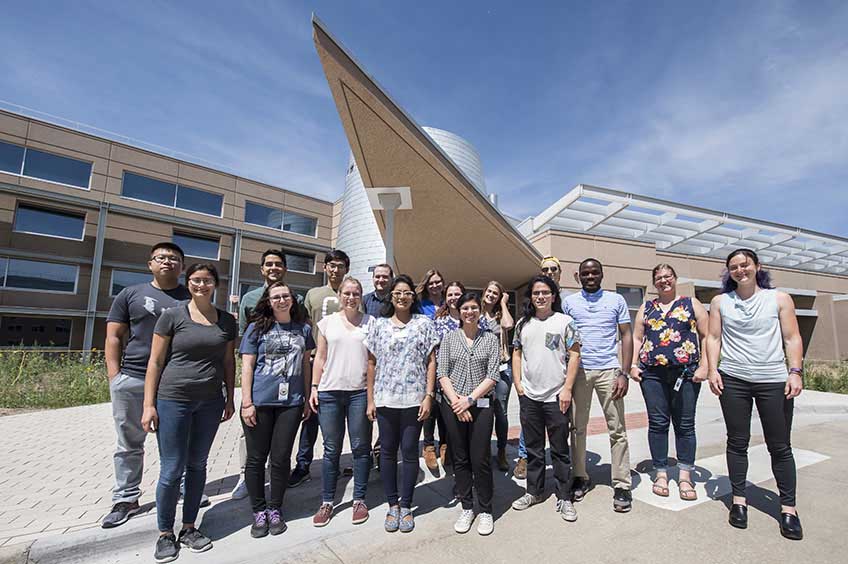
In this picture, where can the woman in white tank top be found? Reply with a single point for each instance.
(753, 333)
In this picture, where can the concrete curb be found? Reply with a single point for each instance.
(15, 554)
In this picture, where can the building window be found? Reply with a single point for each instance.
(300, 263)
(246, 287)
(24, 274)
(276, 218)
(123, 278)
(146, 189)
(34, 332)
(22, 161)
(11, 158)
(634, 297)
(29, 219)
(200, 247)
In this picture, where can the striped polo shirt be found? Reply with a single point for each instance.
(597, 317)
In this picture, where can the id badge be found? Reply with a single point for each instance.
(503, 366)
(483, 403)
(678, 384)
(283, 391)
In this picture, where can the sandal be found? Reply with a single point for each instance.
(659, 490)
(392, 522)
(687, 495)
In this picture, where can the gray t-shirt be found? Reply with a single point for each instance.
(139, 306)
(194, 369)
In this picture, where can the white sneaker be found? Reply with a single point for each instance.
(525, 501)
(240, 491)
(463, 524)
(567, 510)
(486, 525)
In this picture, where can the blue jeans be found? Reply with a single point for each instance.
(501, 402)
(668, 406)
(185, 435)
(333, 408)
(399, 428)
(522, 448)
(306, 442)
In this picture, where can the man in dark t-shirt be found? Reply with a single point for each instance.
(131, 319)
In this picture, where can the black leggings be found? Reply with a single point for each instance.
(430, 424)
(399, 428)
(776, 418)
(274, 433)
(471, 449)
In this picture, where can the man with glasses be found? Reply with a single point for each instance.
(373, 302)
(132, 318)
(319, 303)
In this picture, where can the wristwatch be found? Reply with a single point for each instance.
(431, 395)
(471, 400)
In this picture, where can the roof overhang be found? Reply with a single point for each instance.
(451, 226)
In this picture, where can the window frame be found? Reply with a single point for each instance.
(314, 262)
(630, 309)
(47, 210)
(112, 278)
(176, 185)
(39, 347)
(39, 179)
(283, 211)
(196, 236)
(5, 278)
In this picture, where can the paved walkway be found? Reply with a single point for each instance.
(56, 477)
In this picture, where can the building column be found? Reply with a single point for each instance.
(235, 267)
(94, 284)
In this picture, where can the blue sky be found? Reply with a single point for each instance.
(736, 106)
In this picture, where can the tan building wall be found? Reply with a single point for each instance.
(629, 263)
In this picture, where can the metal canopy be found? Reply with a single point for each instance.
(689, 230)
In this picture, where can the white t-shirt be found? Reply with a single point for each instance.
(544, 354)
(347, 357)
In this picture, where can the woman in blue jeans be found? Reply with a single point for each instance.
(339, 394)
(669, 333)
(499, 321)
(275, 379)
(191, 357)
(401, 384)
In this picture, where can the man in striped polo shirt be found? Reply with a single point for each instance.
(601, 317)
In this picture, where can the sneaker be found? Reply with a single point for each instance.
(167, 548)
(579, 488)
(392, 522)
(566, 509)
(299, 476)
(120, 513)
(429, 455)
(240, 491)
(503, 463)
(463, 523)
(260, 525)
(276, 525)
(622, 500)
(485, 525)
(360, 512)
(520, 471)
(407, 521)
(525, 501)
(323, 515)
(194, 540)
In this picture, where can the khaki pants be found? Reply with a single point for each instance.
(601, 381)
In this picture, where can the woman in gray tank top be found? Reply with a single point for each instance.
(753, 332)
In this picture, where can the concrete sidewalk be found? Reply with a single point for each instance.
(56, 475)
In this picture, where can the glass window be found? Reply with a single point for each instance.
(11, 158)
(3, 262)
(300, 263)
(51, 223)
(200, 247)
(201, 201)
(34, 332)
(148, 189)
(56, 168)
(297, 223)
(38, 275)
(246, 287)
(123, 278)
(633, 296)
(258, 214)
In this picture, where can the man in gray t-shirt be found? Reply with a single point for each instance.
(131, 320)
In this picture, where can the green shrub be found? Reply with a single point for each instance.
(826, 376)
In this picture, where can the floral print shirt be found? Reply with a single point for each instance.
(400, 380)
(671, 338)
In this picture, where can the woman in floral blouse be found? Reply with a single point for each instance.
(667, 333)
(401, 380)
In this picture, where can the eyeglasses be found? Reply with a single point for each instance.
(550, 269)
(398, 294)
(470, 309)
(274, 265)
(280, 298)
(201, 281)
(335, 266)
(541, 294)
(161, 259)
(664, 277)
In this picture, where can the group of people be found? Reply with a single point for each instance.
(435, 354)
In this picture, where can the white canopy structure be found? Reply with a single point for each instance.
(689, 230)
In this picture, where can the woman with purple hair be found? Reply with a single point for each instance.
(753, 333)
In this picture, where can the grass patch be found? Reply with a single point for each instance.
(51, 379)
(826, 376)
